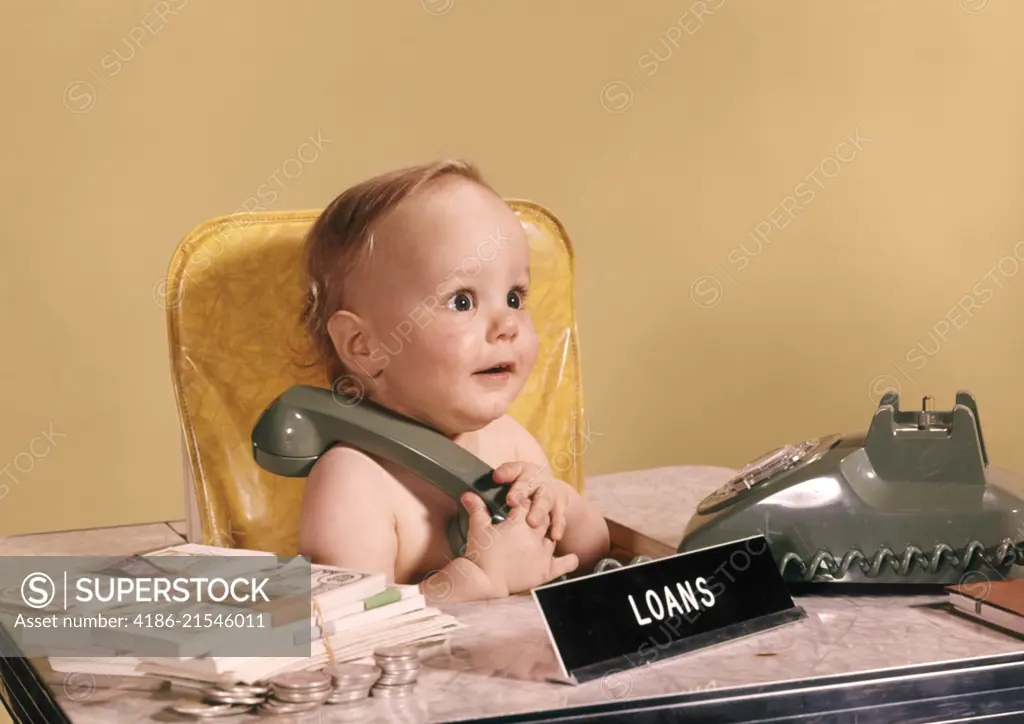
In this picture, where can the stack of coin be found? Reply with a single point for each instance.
(297, 692)
(401, 667)
(352, 682)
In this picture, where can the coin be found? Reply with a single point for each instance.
(193, 708)
(301, 680)
(300, 697)
(400, 671)
(349, 685)
(400, 666)
(396, 652)
(287, 707)
(242, 689)
(395, 684)
(406, 661)
(307, 694)
(300, 693)
(365, 686)
(234, 699)
(350, 692)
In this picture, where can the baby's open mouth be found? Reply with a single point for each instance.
(497, 369)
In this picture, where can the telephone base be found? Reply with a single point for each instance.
(913, 499)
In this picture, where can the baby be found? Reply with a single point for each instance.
(419, 289)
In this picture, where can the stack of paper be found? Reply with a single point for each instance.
(352, 614)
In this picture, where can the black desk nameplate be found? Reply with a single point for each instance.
(635, 615)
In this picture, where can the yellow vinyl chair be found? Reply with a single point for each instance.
(234, 295)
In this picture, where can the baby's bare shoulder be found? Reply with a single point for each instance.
(503, 440)
(347, 516)
(349, 474)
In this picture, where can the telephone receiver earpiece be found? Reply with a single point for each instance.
(305, 422)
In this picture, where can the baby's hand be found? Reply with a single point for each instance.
(514, 556)
(546, 496)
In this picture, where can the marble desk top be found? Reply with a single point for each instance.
(499, 664)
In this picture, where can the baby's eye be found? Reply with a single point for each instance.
(516, 297)
(461, 302)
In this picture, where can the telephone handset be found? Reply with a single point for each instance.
(305, 422)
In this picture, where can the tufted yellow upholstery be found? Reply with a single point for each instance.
(234, 295)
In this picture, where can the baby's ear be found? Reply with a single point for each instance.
(354, 344)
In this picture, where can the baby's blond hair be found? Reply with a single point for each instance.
(342, 236)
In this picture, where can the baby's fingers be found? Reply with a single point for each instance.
(512, 516)
(507, 472)
(520, 492)
(563, 565)
(540, 512)
(558, 520)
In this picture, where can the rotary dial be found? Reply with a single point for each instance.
(759, 471)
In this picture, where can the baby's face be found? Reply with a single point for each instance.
(445, 295)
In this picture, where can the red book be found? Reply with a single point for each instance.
(1000, 603)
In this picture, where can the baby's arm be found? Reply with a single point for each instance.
(586, 530)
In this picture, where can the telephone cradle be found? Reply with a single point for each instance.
(911, 500)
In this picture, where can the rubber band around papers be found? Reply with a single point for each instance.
(323, 634)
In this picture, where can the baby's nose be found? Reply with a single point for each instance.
(506, 326)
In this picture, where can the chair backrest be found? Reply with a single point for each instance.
(234, 295)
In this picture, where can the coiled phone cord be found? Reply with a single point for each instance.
(885, 560)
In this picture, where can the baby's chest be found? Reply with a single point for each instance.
(424, 502)
(423, 510)
(418, 501)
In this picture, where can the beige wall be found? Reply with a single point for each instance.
(695, 351)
